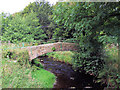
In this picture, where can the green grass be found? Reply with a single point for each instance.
(16, 76)
(20, 74)
(45, 78)
(63, 56)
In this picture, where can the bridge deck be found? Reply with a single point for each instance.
(35, 51)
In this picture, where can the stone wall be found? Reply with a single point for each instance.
(36, 51)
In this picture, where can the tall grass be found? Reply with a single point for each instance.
(16, 76)
(18, 72)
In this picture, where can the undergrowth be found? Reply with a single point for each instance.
(18, 73)
(110, 74)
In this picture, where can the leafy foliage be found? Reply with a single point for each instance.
(92, 25)
(31, 24)
(43, 13)
(110, 73)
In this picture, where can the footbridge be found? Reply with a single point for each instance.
(35, 51)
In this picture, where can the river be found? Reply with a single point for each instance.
(67, 77)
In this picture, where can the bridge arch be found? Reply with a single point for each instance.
(35, 51)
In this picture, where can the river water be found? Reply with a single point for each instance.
(67, 78)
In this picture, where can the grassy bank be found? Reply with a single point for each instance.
(18, 73)
(109, 75)
(45, 78)
(63, 56)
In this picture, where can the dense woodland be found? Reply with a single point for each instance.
(91, 25)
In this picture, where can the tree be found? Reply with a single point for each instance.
(62, 16)
(22, 29)
(92, 25)
(43, 12)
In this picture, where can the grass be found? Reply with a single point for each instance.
(109, 74)
(18, 73)
(45, 78)
(0, 68)
(112, 51)
(63, 56)
(16, 76)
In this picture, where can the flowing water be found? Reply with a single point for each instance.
(67, 77)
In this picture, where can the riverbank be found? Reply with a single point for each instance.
(16, 76)
(67, 77)
(62, 56)
(111, 65)
(17, 72)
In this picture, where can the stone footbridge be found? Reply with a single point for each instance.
(35, 51)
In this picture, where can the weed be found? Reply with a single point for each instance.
(53, 48)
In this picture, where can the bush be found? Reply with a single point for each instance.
(110, 74)
(69, 40)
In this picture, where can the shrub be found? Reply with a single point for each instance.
(110, 74)
(70, 40)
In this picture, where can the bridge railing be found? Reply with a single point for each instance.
(9, 45)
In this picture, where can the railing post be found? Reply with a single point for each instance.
(22, 44)
(59, 39)
(8, 42)
(31, 50)
(61, 46)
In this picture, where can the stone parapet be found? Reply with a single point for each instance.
(35, 51)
